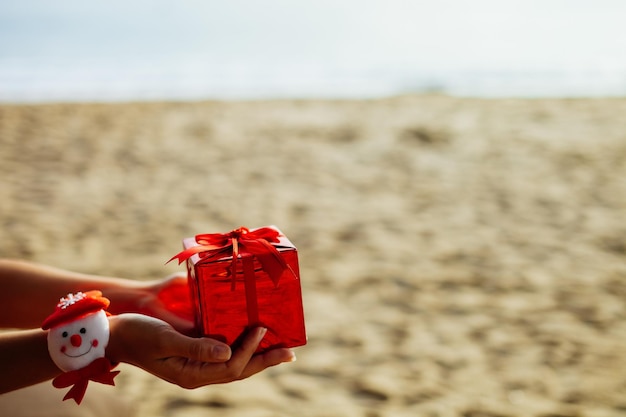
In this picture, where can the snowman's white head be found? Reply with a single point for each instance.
(78, 330)
(76, 344)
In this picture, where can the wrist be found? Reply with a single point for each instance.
(24, 359)
(115, 349)
(128, 297)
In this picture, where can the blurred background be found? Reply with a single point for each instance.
(193, 49)
(453, 174)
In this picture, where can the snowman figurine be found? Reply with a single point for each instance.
(77, 337)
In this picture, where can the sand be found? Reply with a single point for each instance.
(460, 257)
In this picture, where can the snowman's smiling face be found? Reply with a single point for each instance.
(76, 344)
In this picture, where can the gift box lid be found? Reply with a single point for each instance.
(283, 243)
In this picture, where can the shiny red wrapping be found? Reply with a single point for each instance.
(225, 307)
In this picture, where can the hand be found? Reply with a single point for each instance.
(168, 299)
(156, 347)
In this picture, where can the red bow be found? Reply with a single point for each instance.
(98, 371)
(241, 241)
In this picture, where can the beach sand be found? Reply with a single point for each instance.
(459, 257)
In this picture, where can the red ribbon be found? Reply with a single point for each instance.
(98, 371)
(257, 243)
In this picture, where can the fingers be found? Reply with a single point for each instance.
(192, 362)
(270, 358)
(189, 366)
(241, 357)
(243, 364)
(199, 349)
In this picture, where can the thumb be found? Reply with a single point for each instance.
(198, 349)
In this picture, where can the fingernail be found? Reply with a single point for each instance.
(292, 358)
(221, 352)
(261, 333)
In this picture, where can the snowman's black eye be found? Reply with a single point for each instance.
(83, 330)
(64, 334)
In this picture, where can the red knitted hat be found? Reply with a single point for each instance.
(75, 306)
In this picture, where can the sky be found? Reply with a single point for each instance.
(282, 47)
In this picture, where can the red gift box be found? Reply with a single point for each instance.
(243, 279)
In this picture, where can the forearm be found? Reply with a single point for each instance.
(30, 291)
(24, 359)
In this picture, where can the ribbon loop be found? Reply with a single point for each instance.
(236, 243)
(98, 371)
